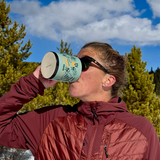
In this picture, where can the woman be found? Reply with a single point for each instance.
(98, 127)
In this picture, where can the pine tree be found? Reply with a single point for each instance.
(139, 93)
(12, 53)
(151, 72)
(56, 95)
(157, 81)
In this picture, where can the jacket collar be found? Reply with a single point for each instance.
(98, 109)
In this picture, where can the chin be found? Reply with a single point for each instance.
(73, 93)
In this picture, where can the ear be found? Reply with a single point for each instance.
(108, 81)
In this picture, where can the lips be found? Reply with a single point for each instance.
(72, 83)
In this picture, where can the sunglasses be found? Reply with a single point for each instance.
(86, 61)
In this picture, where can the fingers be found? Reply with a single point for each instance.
(46, 82)
(37, 72)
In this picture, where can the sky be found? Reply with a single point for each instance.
(121, 23)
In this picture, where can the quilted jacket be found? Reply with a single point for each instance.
(82, 136)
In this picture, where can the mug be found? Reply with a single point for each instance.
(61, 67)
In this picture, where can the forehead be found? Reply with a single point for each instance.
(91, 52)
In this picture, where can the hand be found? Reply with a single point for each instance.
(46, 82)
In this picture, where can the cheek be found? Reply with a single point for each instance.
(79, 86)
(88, 81)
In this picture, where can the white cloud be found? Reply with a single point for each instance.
(124, 28)
(87, 20)
(155, 6)
(25, 7)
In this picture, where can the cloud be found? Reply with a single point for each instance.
(87, 20)
(155, 6)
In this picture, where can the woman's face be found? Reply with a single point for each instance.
(89, 86)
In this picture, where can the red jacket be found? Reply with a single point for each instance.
(90, 130)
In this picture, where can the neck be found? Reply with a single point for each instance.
(101, 97)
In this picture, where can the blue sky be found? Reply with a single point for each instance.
(121, 23)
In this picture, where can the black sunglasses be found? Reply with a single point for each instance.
(86, 61)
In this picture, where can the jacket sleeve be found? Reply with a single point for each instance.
(25, 130)
(14, 130)
(154, 146)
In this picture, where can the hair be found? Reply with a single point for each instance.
(113, 62)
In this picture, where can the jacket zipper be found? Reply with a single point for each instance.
(107, 144)
(105, 149)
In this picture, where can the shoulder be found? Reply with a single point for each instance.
(56, 110)
(140, 123)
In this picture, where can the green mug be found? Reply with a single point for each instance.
(61, 67)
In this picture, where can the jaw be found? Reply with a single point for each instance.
(87, 95)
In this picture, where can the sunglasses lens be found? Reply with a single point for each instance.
(85, 63)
